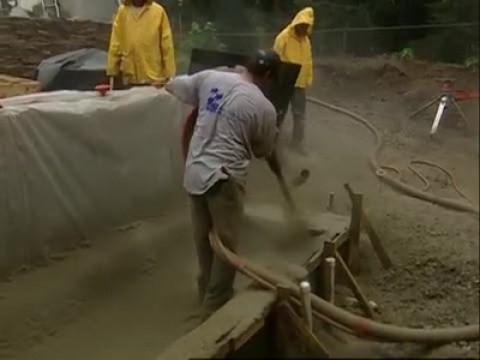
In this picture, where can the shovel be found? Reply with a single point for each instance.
(298, 222)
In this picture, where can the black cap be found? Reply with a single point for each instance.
(264, 61)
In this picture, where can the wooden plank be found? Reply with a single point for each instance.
(330, 248)
(316, 260)
(354, 239)
(376, 242)
(352, 283)
(243, 317)
(305, 336)
(331, 202)
(372, 235)
(13, 86)
(226, 330)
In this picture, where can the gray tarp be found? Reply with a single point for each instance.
(75, 70)
(75, 163)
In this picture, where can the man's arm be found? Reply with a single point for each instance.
(114, 51)
(186, 87)
(167, 48)
(310, 72)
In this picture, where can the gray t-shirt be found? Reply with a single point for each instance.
(235, 122)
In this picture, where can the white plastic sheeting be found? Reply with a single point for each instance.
(75, 163)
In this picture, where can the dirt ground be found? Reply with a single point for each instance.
(131, 296)
(435, 281)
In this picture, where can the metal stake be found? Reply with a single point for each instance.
(439, 115)
(426, 106)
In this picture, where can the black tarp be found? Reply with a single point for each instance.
(281, 90)
(76, 70)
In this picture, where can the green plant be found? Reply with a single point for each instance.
(472, 63)
(199, 36)
(204, 37)
(406, 54)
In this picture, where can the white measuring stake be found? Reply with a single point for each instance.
(330, 279)
(438, 117)
(306, 291)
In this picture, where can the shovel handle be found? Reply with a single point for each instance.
(286, 194)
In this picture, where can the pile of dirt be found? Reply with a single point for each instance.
(390, 74)
(435, 282)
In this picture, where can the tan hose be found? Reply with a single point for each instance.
(445, 171)
(419, 175)
(240, 265)
(360, 326)
(388, 179)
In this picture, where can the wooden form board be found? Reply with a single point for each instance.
(227, 330)
(12, 86)
(246, 314)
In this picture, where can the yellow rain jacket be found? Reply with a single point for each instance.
(141, 45)
(297, 50)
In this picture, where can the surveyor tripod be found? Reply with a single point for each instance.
(449, 98)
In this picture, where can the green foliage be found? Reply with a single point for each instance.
(454, 44)
(267, 17)
(204, 37)
(450, 11)
(472, 63)
(406, 54)
(200, 36)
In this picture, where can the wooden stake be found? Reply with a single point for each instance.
(306, 335)
(283, 292)
(372, 235)
(352, 283)
(354, 241)
(376, 243)
(329, 248)
(331, 202)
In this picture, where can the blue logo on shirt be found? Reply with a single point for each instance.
(213, 102)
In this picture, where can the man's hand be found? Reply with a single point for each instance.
(161, 83)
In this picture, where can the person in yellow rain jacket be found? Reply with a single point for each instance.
(141, 45)
(293, 45)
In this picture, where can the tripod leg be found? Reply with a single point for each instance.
(438, 117)
(425, 107)
(462, 114)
